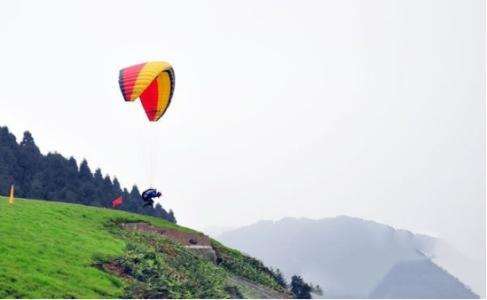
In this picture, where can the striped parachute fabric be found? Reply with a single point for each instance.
(152, 82)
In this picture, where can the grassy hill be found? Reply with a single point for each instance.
(59, 250)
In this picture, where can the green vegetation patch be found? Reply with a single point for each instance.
(157, 267)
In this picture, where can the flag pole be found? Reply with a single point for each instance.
(11, 197)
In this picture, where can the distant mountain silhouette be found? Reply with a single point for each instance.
(420, 279)
(348, 257)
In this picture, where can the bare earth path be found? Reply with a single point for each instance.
(256, 291)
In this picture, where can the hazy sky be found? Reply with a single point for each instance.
(373, 109)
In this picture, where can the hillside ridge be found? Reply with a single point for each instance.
(60, 250)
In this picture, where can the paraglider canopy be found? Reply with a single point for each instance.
(152, 82)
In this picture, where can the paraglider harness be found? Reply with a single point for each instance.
(148, 196)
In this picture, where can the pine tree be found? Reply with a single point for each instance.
(317, 290)
(87, 186)
(170, 216)
(299, 288)
(8, 160)
(85, 172)
(29, 163)
(134, 201)
(116, 185)
(73, 189)
(280, 278)
(99, 197)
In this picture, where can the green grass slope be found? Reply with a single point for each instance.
(50, 250)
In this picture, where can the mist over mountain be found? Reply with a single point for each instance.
(420, 279)
(347, 257)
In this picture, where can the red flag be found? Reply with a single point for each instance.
(117, 202)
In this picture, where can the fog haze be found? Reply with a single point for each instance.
(373, 109)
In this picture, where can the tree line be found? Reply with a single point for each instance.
(53, 177)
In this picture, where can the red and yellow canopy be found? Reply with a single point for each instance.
(153, 83)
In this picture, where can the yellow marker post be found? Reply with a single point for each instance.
(11, 198)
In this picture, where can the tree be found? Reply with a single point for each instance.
(28, 143)
(317, 290)
(134, 200)
(9, 167)
(116, 185)
(299, 288)
(29, 158)
(84, 171)
(171, 217)
(107, 191)
(280, 278)
(72, 187)
(99, 184)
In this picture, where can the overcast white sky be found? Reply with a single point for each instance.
(373, 109)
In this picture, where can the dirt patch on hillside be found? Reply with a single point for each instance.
(193, 239)
(253, 290)
(115, 268)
